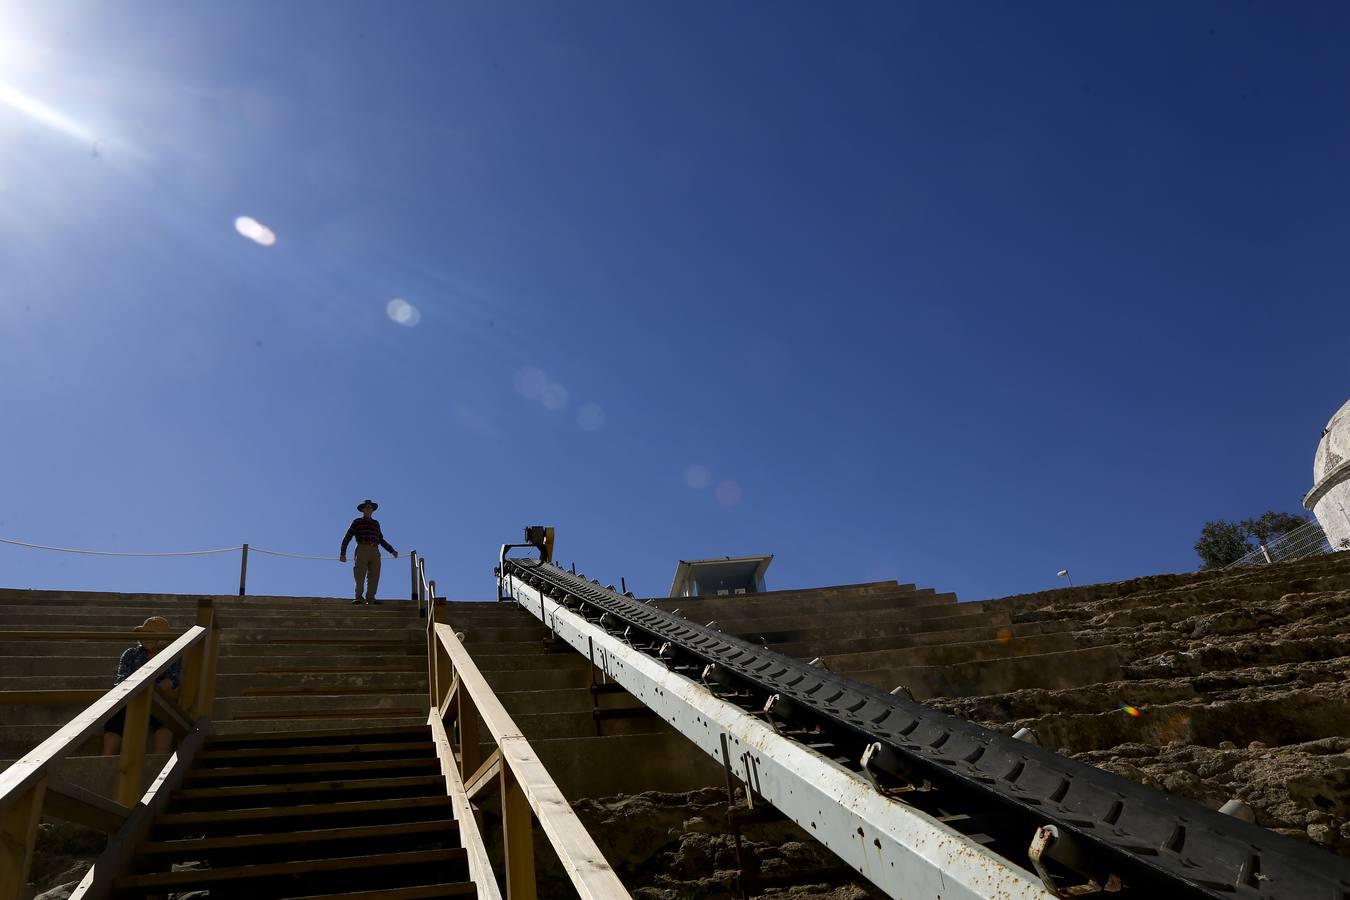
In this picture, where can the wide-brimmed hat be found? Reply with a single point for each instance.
(155, 624)
(367, 502)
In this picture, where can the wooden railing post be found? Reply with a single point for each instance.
(517, 839)
(131, 767)
(210, 658)
(196, 662)
(466, 721)
(18, 834)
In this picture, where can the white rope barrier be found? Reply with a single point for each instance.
(252, 549)
(112, 553)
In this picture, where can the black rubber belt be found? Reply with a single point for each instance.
(1152, 838)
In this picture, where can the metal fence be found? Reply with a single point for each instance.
(1304, 541)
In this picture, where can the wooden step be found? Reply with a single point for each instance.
(317, 835)
(296, 738)
(374, 712)
(201, 878)
(222, 773)
(407, 748)
(301, 810)
(310, 787)
(455, 889)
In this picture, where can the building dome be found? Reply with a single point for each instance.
(1330, 497)
(1334, 448)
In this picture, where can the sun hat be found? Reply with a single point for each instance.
(367, 502)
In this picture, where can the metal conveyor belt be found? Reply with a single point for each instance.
(1092, 824)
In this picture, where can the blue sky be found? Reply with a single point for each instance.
(958, 294)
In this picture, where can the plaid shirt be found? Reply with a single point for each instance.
(135, 657)
(366, 531)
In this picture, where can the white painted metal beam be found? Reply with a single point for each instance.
(901, 850)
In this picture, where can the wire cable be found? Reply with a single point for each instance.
(111, 553)
(253, 549)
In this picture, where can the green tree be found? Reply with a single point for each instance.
(1222, 543)
(1272, 524)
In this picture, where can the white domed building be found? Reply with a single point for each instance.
(1329, 499)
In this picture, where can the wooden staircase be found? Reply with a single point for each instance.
(351, 813)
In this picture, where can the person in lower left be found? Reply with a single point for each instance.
(154, 638)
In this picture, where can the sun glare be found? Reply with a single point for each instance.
(43, 114)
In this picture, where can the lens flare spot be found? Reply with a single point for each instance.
(697, 477)
(1132, 711)
(1003, 635)
(728, 492)
(403, 312)
(255, 231)
(590, 417)
(554, 396)
(530, 382)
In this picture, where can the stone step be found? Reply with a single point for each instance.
(825, 630)
(46, 715)
(97, 773)
(260, 601)
(513, 648)
(78, 620)
(551, 661)
(527, 633)
(188, 607)
(231, 727)
(740, 607)
(627, 764)
(1050, 671)
(266, 650)
(544, 726)
(411, 659)
(355, 682)
(503, 681)
(951, 654)
(16, 740)
(99, 682)
(98, 649)
(559, 701)
(873, 620)
(808, 649)
(495, 614)
(52, 665)
(842, 591)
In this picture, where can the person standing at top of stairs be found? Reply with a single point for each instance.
(369, 540)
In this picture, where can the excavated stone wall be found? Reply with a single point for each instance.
(1239, 684)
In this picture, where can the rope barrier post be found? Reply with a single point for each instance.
(243, 570)
(416, 598)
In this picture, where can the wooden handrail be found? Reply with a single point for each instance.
(35, 763)
(459, 688)
(28, 785)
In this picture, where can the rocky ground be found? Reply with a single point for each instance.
(62, 855)
(1240, 685)
(682, 847)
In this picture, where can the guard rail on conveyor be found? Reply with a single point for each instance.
(921, 803)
